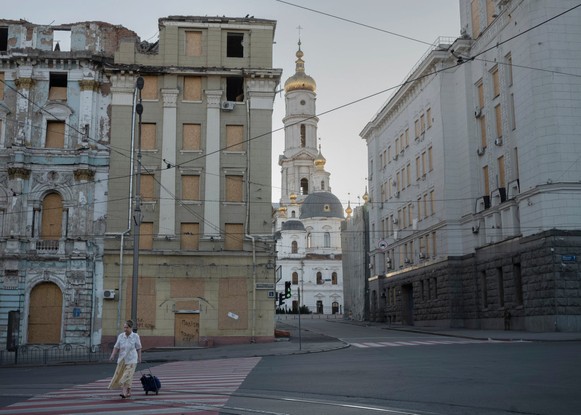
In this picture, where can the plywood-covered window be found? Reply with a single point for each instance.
(480, 93)
(52, 217)
(418, 168)
(193, 43)
(485, 181)
(57, 86)
(148, 136)
(234, 236)
(429, 117)
(295, 278)
(482, 121)
(417, 128)
(146, 236)
(407, 137)
(190, 236)
(498, 115)
(508, 69)
(422, 123)
(147, 187)
(191, 187)
(191, 137)
(150, 91)
(192, 88)
(475, 13)
(501, 172)
(235, 138)
(432, 202)
(490, 11)
(495, 81)
(55, 134)
(430, 159)
(234, 188)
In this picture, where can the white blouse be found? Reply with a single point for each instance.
(128, 346)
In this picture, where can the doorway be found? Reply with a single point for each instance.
(187, 329)
(45, 314)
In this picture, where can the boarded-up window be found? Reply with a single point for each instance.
(55, 134)
(57, 86)
(190, 188)
(150, 89)
(486, 181)
(475, 11)
(480, 91)
(148, 136)
(190, 236)
(193, 43)
(495, 81)
(192, 88)
(498, 114)
(52, 217)
(191, 136)
(501, 174)
(147, 187)
(234, 188)
(146, 236)
(429, 117)
(482, 120)
(234, 237)
(235, 138)
(490, 13)
(233, 304)
(1, 86)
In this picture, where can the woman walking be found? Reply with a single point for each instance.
(128, 346)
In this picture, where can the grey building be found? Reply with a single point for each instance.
(474, 176)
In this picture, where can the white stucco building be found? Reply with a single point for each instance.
(308, 220)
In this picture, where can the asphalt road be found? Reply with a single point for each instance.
(385, 372)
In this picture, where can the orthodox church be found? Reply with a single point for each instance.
(308, 219)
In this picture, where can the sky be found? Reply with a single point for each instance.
(353, 50)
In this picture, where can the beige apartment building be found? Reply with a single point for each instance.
(205, 261)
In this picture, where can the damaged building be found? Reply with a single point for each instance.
(55, 105)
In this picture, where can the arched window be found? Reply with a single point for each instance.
(295, 278)
(309, 240)
(303, 135)
(293, 214)
(327, 240)
(294, 247)
(334, 278)
(322, 185)
(319, 278)
(51, 221)
(304, 186)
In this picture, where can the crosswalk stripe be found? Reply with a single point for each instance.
(365, 345)
(200, 387)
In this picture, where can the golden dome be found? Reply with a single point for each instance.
(300, 80)
(320, 161)
(348, 211)
(366, 197)
(293, 198)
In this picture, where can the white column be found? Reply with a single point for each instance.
(167, 198)
(212, 192)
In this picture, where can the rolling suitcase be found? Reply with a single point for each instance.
(150, 382)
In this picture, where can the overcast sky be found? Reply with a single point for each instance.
(348, 60)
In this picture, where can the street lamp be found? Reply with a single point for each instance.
(137, 210)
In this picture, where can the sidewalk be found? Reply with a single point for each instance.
(308, 342)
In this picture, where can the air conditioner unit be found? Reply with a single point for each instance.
(480, 151)
(395, 157)
(477, 112)
(498, 141)
(407, 261)
(394, 183)
(109, 294)
(422, 255)
(228, 105)
(396, 194)
(395, 221)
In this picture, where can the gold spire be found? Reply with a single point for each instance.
(320, 161)
(348, 211)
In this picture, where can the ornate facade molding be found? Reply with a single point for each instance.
(18, 173)
(24, 83)
(84, 174)
(89, 85)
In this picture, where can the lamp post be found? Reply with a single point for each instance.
(137, 210)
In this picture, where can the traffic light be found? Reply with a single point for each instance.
(287, 289)
(280, 299)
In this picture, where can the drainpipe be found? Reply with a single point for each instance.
(247, 225)
(130, 204)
